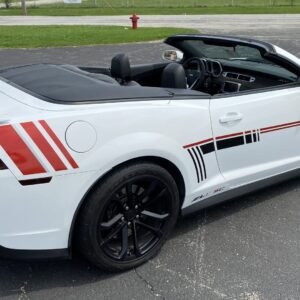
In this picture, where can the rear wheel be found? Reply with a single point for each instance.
(128, 216)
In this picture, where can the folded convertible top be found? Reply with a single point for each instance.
(62, 84)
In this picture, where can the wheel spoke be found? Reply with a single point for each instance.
(111, 222)
(129, 193)
(155, 198)
(148, 191)
(135, 218)
(154, 215)
(135, 240)
(124, 242)
(156, 231)
(113, 233)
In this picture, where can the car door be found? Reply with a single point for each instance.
(255, 123)
(256, 135)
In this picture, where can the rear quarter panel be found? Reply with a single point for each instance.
(124, 131)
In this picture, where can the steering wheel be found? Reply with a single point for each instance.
(195, 71)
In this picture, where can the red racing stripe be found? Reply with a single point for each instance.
(19, 152)
(44, 146)
(58, 143)
(198, 143)
(280, 128)
(229, 135)
(281, 125)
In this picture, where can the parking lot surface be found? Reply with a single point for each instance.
(247, 249)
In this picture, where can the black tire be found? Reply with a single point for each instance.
(128, 216)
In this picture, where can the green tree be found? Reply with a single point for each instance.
(7, 3)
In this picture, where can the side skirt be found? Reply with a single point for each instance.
(17, 254)
(240, 191)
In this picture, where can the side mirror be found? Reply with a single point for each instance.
(173, 55)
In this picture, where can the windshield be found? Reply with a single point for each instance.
(237, 55)
(229, 52)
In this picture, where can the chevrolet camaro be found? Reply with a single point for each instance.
(104, 160)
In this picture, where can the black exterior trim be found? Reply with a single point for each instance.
(41, 80)
(3, 165)
(34, 254)
(173, 95)
(240, 191)
(35, 181)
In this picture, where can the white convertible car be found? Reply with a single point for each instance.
(104, 160)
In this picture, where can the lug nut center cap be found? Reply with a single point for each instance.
(130, 215)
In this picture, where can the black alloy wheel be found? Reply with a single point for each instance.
(128, 217)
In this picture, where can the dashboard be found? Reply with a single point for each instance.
(214, 76)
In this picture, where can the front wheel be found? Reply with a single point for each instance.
(128, 216)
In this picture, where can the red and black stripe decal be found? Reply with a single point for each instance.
(280, 127)
(208, 148)
(44, 146)
(3, 165)
(228, 141)
(59, 144)
(198, 161)
(19, 152)
(196, 151)
(25, 159)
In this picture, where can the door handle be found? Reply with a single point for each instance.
(231, 117)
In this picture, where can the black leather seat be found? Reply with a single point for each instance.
(173, 76)
(121, 71)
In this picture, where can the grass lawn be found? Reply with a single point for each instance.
(59, 36)
(82, 10)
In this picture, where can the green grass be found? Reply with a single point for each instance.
(146, 7)
(184, 3)
(76, 10)
(59, 36)
(189, 3)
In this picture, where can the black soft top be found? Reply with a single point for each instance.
(68, 84)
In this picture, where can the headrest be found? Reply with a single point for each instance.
(173, 76)
(120, 67)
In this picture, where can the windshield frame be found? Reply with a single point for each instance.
(268, 51)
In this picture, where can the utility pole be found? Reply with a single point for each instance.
(24, 9)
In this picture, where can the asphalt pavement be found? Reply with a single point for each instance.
(245, 249)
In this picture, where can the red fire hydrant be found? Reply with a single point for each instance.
(134, 19)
